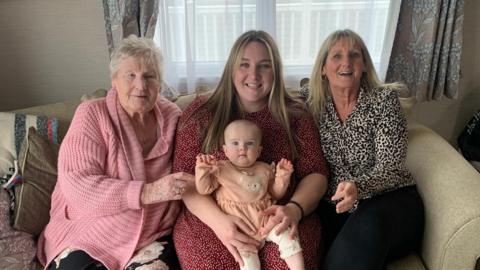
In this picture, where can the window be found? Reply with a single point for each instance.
(196, 35)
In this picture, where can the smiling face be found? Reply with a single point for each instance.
(137, 86)
(344, 66)
(253, 79)
(242, 143)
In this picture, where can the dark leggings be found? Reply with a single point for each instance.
(381, 229)
(80, 260)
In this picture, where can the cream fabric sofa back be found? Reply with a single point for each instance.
(448, 184)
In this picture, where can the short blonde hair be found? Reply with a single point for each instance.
(142, 49)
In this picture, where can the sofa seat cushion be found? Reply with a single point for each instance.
(411, 262)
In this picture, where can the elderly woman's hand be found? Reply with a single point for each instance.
(347, 195)
(167, 188)
(284, 216)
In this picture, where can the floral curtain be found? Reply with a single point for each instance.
(427, 48)
(126, 17)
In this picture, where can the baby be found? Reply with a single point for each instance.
(244, 187)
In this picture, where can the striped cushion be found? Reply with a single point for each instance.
(13, 128)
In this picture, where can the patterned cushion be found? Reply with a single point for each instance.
(17, 249)
(38, 167)
(14, 127)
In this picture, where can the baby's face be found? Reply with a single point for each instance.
(242, 145)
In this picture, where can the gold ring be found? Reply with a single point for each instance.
(179, 190)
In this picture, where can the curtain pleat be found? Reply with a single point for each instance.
(427, 48)
(127, 17)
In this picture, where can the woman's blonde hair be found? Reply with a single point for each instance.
(226, 107)
(319, 85)
(142, 49)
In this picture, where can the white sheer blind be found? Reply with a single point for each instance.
(196, 35)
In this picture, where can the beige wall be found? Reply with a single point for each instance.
(448, 117)
(51, 50)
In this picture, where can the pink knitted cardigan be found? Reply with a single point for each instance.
(96, 202)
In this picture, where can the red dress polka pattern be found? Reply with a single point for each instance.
(196, 244)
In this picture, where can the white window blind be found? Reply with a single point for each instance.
(196, 35)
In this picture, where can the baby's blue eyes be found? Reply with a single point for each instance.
(246, 144)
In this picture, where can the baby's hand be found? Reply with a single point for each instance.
(206, 159)
(284, 167)
(207, 162)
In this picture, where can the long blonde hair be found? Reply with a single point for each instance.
(226, 107)
(319, 86)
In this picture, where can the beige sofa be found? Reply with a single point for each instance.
(448, 184)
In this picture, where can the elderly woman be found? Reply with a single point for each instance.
(116, 200)
(373, 212)
(251, 88)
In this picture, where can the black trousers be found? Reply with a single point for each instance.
(381, 229)
(80, 260)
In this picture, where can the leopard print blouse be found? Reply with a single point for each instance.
(369, 147)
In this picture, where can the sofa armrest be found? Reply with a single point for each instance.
(450, 188)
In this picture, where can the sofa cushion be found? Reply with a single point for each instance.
(407, 101)
(99, 93)
(17, 249)
(38, 167)
(14, 127)
(62, 111)
(168, 92)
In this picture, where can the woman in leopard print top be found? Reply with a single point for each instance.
(373, 212)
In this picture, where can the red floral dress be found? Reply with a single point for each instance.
(196, 244)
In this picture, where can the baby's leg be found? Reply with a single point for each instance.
(290, 249)
(295, 262)
(250, 260)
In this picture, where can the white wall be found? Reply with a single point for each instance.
(448, 117)
(51, 50)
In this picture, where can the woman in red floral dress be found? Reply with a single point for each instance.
(251, 87)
